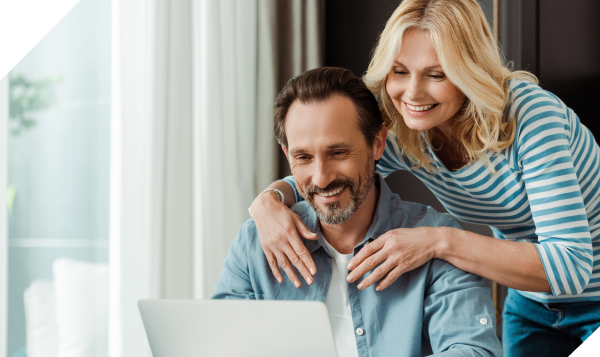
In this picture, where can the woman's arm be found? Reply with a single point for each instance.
(279, 230)
(513, 264)
(284, 187)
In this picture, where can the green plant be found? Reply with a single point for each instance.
(28, 96)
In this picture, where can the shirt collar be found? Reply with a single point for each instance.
(381, 219)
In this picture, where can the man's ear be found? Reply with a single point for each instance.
(284, 150)
(379, 143)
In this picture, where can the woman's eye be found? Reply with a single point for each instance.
(435, 76)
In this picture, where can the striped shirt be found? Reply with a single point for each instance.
(545, 191)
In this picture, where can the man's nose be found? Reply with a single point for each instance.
(415, 89)
(324, 175)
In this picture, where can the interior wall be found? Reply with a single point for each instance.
(569, 55)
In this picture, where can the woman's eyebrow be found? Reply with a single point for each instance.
(428, 68)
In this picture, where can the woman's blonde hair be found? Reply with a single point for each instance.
(470, 57)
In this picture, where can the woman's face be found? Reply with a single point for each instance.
(420, 90)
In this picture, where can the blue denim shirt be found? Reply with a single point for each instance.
(434, 308)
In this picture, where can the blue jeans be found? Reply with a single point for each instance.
(531, 328)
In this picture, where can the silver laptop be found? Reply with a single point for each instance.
(193, 328)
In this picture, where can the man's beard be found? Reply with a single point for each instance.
(333, 213)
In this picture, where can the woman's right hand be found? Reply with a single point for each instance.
(279, 230)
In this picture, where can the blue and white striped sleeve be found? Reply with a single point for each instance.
(557, 207)
(290, 180)
(389, 163)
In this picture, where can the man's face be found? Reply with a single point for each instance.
(331, 162)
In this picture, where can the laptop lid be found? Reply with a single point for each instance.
(186, 328)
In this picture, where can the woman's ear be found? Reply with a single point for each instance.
(379, 143)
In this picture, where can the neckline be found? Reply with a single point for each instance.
(467, 168)
(334, 252)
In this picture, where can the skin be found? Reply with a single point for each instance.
(417, 78)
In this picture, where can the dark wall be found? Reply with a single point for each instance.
(569, 55)
(559, 41)
(351, 31)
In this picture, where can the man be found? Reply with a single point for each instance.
(332, 132)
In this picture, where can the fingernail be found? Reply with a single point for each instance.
(309, 280)
(350, 266)
(280, 280)
(360, 286)
(297, 284)
(314, 234)
(350, 278)
(378, 289)
(312, 271)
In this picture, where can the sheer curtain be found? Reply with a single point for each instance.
(244, 51)
(193, 90)
(3, 211)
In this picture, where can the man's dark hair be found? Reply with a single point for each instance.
(320, 84)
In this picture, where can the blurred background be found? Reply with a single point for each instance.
(138, 132)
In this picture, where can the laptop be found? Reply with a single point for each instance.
(195, 328)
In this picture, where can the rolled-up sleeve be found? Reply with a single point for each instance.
(554, 194)
(459, 316)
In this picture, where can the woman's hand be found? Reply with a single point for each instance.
(279, 229)
(400, 250)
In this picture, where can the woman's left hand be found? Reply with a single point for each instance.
(399, 250)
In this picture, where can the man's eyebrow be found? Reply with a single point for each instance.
(425, 69)
(339, 146)
(298, 151)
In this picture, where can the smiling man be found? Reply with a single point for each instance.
(331, 130)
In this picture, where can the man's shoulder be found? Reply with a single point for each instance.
(304, 211)
(406, 214)
(247, 234)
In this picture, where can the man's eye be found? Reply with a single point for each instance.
(338, 153)
(302, 158)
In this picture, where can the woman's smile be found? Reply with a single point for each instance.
(419, 110)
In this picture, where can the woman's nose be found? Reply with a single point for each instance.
(415, 90)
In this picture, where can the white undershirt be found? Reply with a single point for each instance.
(338, 305)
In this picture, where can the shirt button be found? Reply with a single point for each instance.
(360, 331)
(483, 321)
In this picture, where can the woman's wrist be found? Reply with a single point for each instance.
(264, 198)
(443, 237)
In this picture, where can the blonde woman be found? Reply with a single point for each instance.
(495, 149)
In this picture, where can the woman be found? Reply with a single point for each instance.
(495, 149)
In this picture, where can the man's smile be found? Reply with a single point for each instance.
(331, 196)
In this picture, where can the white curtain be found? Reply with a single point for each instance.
(194, 83)
(245, 50)
(4, 113)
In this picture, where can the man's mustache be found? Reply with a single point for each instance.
(312, 188)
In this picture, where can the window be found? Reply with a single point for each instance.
(58, 188)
